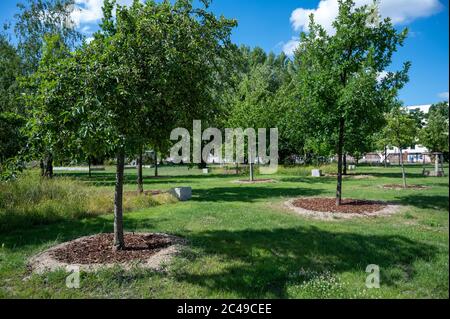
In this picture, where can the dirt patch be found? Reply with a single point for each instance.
(257, 181)
(410, 187)
(149, 251)
(326, 209)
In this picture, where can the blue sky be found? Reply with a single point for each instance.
(275, 25)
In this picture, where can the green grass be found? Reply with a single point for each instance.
(244, 244)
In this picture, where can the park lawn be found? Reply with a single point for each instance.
(244, 244)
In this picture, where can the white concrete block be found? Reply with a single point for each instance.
(182, 193)
(316, 173)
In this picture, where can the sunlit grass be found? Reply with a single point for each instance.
(244, 244)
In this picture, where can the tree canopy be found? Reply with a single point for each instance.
(150, 69)
(338, 78)
(435, 134)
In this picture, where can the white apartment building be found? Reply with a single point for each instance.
(413, 154)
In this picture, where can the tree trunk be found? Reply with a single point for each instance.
(436, 165)
(140, 180)
(119, 243)
(345, 164)
(340, 151)
(49, 166)
(385, 157)
(89, 164)
(156, 163)
(251, 162)
(42, 167)
(403, 169)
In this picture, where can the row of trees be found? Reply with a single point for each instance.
(35, 20)
(405, 128)
(330, 99)
(156, 66)
(151, 67)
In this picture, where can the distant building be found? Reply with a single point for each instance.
(413, 154)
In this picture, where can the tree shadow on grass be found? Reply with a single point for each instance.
(439, 202)
(250, 194)
(397, 175)
(262, 263)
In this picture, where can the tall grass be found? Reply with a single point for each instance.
(293, 170)
(305, 170)
(31, 200)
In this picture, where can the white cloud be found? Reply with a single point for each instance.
(290, 47)
(443, 95)
(87, 11)
(400, 11)
(90, 11)
(324, 14)
(382, 75)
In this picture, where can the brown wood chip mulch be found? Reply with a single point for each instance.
(349, 206)
(99, 249)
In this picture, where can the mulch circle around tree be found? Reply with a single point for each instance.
(257, 181)
(409, 187)
(149, 251)
(325, 208)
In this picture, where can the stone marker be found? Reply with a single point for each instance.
(316, 173)
(205, 171)
(352, 167)
(182, 193)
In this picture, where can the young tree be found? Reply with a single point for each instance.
(401, 132)
(252, 102)
(435, 134)
(47, 94)
(38, 18)
(11, 111)
(338, 74)
(11, 142)
(380, 142)
(150, 69)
